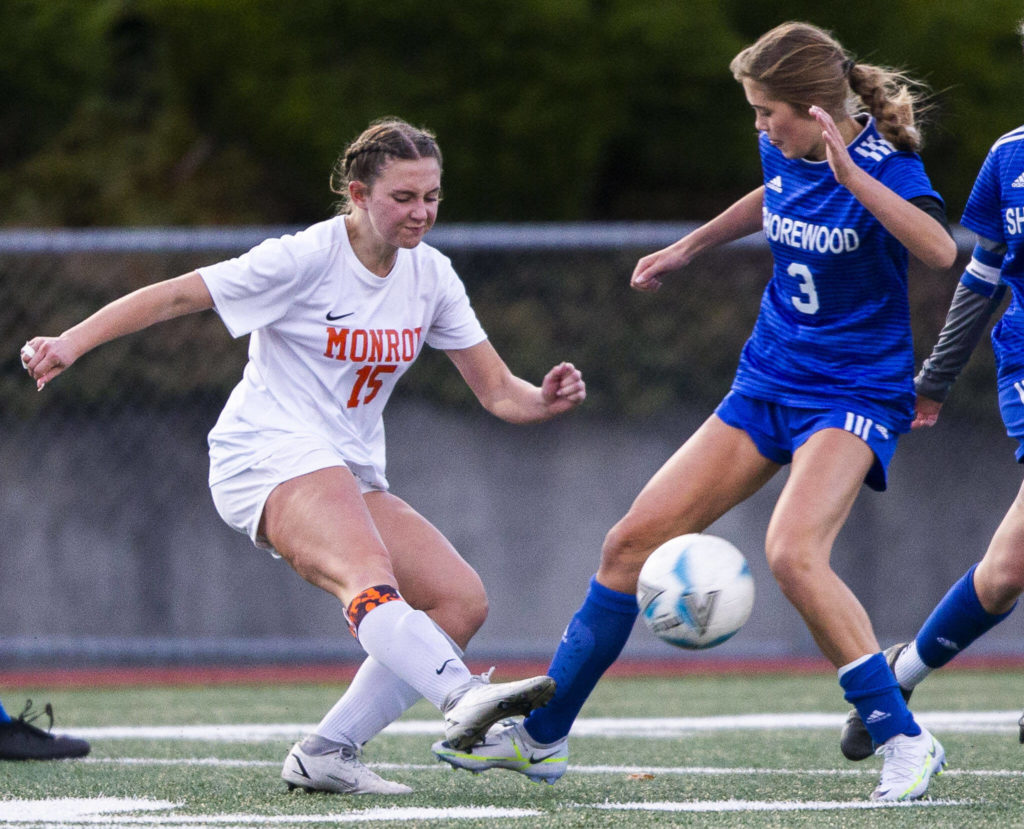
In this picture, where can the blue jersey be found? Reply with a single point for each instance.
(995, 210)
(833, 330)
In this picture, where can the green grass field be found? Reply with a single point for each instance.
(717, 751)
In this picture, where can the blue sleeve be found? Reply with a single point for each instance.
(904, 174)
(982, 213)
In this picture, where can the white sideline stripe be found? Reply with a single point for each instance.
(772, 805)
(651, 728)
(69, 813)
(869, 770)
(102, 811)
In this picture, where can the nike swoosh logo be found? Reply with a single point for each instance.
(440, 670)
(302, 768)
(333, 317)
(534, 759)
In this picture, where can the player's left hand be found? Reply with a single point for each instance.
(926, 412)
(46, 357)
(563, 388)
(836, 154)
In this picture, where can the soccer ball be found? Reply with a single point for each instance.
(695, 591)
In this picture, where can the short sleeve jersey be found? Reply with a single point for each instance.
(995, 210)
(833, 328)
(329, 340)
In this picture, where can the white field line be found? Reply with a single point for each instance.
(771, 805)
(868, 769)
(72, 813)
(650, 727)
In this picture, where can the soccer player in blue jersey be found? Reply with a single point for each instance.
(825, 383)
(988, 591)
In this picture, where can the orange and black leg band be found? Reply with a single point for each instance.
(366, 601)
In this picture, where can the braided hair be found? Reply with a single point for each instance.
(383, 141)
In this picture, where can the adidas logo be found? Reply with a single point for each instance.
(1019, 181)
(874, 148)
(877, 716)
(775, 184)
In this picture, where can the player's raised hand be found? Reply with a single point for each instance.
(563, 388)
(837, 155)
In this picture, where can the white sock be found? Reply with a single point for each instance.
(909, 668)
(408, 643)
(374, 700)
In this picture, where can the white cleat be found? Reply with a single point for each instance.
(338, 769)
(909, 763)
(509, 747)
(474, 707)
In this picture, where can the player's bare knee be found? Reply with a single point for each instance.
(792, 568)
(999, 582)
(623, 554)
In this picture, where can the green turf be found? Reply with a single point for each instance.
(777, 767)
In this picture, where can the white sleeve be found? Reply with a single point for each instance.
(257, 288)
(455, 324)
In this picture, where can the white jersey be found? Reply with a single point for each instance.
(329, 341)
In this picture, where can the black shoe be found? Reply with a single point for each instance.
(1020, 723)
(20, 740)
(855, 742)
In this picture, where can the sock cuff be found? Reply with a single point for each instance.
(613, 600)
(367, 600)
(869, 677)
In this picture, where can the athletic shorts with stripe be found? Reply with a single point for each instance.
(779, 430)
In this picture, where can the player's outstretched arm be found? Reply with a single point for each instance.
(740, 219)
(47, 357)
(511, 398)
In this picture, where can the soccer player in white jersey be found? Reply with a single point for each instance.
(336, 314)
(988, 591)
(825, 383)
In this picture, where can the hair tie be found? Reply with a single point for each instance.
(848, 65)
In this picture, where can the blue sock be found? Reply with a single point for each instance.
(873, 691)
(957, 621)
(4, 716)
(591, 643)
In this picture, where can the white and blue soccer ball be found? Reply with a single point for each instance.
(695, 591)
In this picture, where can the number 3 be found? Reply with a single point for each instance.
(807, 304)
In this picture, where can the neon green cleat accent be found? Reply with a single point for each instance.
(509, 747)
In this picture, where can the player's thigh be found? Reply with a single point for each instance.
(718, 467)
(431, 574)
(827, 473)
(319, 523)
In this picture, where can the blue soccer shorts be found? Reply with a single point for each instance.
(779, 430)
(1011, 407)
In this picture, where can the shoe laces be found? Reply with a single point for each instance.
(28, 716)
(901, 758)
(485, 677)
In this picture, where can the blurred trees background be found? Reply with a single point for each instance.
(138, 112)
